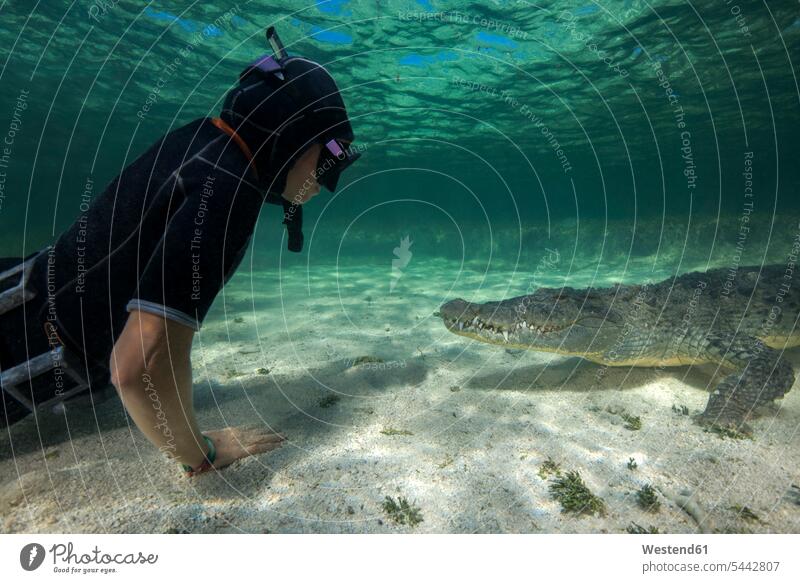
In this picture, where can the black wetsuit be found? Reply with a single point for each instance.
(163, 237)
(171, 229)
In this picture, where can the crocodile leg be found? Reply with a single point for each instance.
(760, 375)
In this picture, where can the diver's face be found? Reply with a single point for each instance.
(301, 186)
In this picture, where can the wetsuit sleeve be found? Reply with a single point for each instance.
(201, 247)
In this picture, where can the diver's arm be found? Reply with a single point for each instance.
(151, 369)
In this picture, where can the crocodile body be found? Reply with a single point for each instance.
(741, 319)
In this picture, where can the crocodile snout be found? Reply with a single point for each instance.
(454, 309)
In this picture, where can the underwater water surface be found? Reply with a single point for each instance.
(506, 146)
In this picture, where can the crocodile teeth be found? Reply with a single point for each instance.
(461, 325)
(505, 335)
(475, 320)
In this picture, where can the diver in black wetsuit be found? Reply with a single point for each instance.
(123, 290)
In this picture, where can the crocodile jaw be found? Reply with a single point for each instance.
(502, 325)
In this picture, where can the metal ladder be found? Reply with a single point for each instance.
(57, 358)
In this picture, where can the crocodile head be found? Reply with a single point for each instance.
(563, 320)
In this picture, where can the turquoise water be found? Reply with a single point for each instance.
(507, 145)
(499, 123)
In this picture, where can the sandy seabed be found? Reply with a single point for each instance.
(458, 428)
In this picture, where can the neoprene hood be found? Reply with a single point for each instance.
(282, 105)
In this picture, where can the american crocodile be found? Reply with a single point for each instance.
(741, 319)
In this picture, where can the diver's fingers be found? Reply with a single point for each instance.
(258, 436)
(245, 438)
(269, 438)
(258, 433)
(255, 430)
(251, 427)
(262, 447)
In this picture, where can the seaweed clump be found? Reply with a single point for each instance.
(723, 431)
(794, 494)
(367, 359)
(549, 467)
(634, 528)
(682, 410)
(633, 423)
(401, 511)
(329, 400)
(448, 459)
(745, 513)
(575, 496)
(647, 498)
(393, 431)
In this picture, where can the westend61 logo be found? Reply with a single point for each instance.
(65, 560)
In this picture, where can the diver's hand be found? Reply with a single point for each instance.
(234, 443)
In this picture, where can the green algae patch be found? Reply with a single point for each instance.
(634, 528)
(746, 514)
(632, 422)
(723, 431)
(647, 499)
(448, 460)
(393, 431)
(367, 359)
(575, 496)
(549, 468)
(402, 511)
(329, 400)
